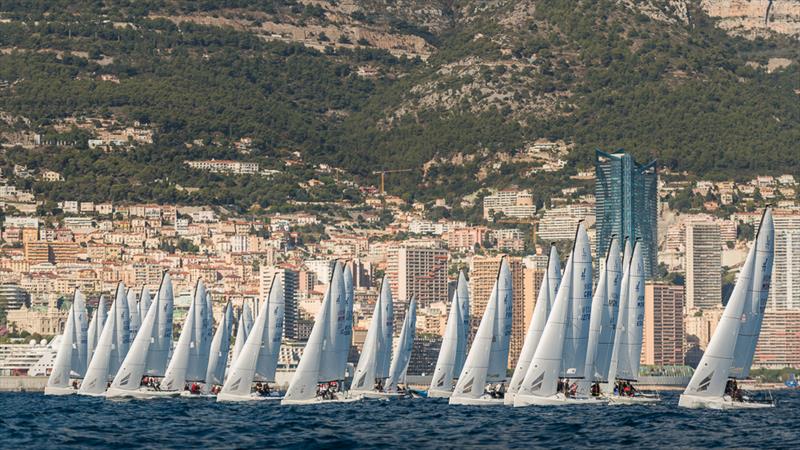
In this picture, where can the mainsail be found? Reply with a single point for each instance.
(377, 346)
(133, 309)
(96, 326)
(189, 361)
(542, 377)
(218, 357)
(161, 335)
(111, 347)
(259, 357)
(71, 357)
(544, 302)
(605, 304)
(452, 352)
(397, 371)
(488, 357)
(579, 309)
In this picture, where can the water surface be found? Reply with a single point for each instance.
(32, 421)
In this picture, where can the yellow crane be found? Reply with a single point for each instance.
(383, 173)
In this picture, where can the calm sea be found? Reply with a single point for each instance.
(32, 421)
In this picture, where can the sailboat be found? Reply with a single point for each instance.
(602, 323)
(488, 357)
(111, 347)
(71, 358)
(147, 357)
(96, 326)
(544, 303)
(190, 358)
(258, 360)
(453, 351)
(627, 351)
(242, 329)
(373, 364)
(549, 365)
(730, 351)
(401, 358)
(319, 374)
(220, 345)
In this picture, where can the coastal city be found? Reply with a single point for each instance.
(695, 234)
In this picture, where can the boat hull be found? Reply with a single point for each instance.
(697, 402)
(635, 400)
(521, 400)
(319, 401)
(52, 390)
(142, 394)
(483, 400)
(439, 394)
(382, 395)
(246, 398)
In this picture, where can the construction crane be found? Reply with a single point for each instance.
(533, 222)
(383, 176)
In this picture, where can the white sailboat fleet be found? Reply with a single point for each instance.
(730, 352)
(579, 348)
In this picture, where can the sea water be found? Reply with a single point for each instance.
(32, 421)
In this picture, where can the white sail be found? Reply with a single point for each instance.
(542, 377)
(387, 332)
(71, 357)
(712, 373)
(96, 326)
(756, 302)
(161, 336)
(200, 343)
(209, 327)
(259, 357)
(332, 367)
(241, 335)
(249, 315)
(133, 368)
(346, 324)
(626, 353)
(307, 376)
(144, 303)
(375, 347)
(488, 356)
(603, 318)
(401, 358)
(462, 296)
(579, 310)
(133, 310)
(544, 302)
(220, 345)
(269, 331)
(450, 360)
(111, 347)
(186, 363)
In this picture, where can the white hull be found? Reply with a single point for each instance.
(246, 398)
(508, 400)
(347, 398)
(101, 394)
(483, 400)
(381, 395)
(439, 394)
(52, 390)
(635, 400)
(141, 393)
(521, 400)
(187, 394)
(694, 401)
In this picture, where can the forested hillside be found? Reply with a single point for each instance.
(369, 84)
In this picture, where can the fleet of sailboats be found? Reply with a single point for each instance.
(582, 346)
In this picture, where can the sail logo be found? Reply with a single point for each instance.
(468, 385)
(536, 384)
(235, 384)
(705, 382)
(125, 380)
